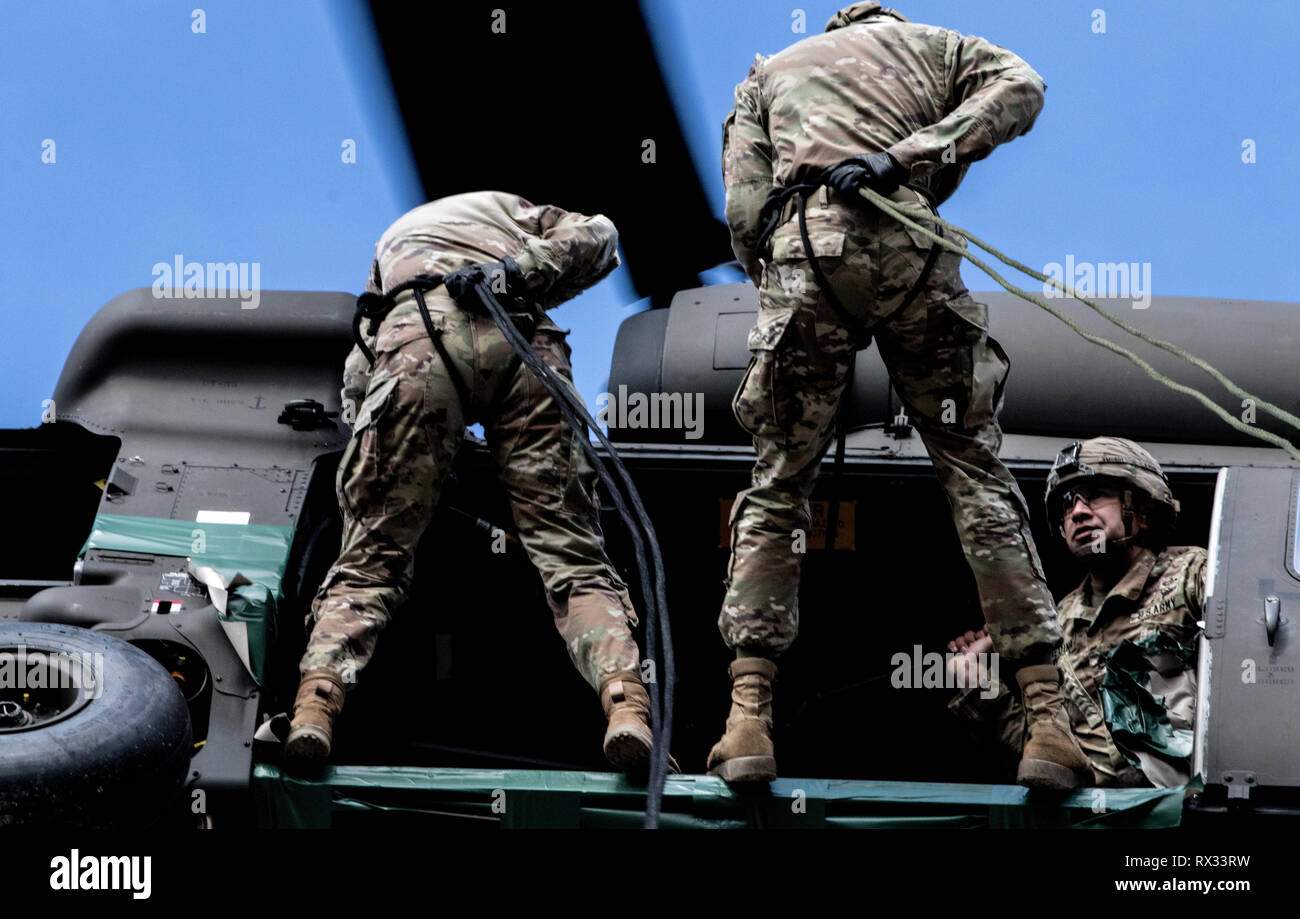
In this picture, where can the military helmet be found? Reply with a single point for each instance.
(1113, 458)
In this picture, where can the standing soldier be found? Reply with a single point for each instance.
(883, 101)
(414, 405)
(1129, 626)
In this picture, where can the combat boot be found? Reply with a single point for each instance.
(628, 738)
(1052, 758)
(311, 733)
(745, 754)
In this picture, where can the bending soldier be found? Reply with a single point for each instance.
(902, 108)
(414, 405)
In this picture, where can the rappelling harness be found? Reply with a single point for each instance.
(776, 211)
(376, 308)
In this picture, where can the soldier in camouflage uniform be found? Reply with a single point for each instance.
(912, 104)
(1111, 503)
(409, 422)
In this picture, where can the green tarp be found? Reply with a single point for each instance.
(1137, 719)
(376, 796)
(259, 553)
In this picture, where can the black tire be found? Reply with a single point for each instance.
(119, 754)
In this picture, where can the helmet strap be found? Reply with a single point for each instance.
(1132, 535)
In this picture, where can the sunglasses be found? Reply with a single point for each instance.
(1090, 493)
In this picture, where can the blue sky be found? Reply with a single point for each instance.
(225, 146)
(220, 146)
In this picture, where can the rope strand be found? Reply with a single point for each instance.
(884, 204)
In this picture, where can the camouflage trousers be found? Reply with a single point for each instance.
(406, 434)
(948, 373)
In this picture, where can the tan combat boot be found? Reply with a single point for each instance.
(320, 699)
(1052, 758)
(628, 738)
(745, 754)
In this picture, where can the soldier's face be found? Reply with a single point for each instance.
(1092, 516)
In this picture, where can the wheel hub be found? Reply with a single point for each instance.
(28, 700)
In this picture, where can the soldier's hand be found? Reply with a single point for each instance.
(962, 643)
(502, 277)
(878, 171)
(964, 665)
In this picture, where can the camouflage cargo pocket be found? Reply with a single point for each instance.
(983, 363)
(991, 367)
(560, 336)
(900, 254)
(361, 484)
(761, 401)
(922, 215)
(356, 380)
(824, 232)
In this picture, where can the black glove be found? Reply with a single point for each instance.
(878, 171)
(503, 278)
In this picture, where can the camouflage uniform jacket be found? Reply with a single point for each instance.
(934, 99)
(1160, 593)
(560, 254)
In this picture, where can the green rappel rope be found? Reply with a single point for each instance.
(886, 205)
